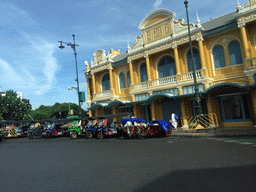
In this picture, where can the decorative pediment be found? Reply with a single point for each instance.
(250, 3)
(99, 55)
(156, 17)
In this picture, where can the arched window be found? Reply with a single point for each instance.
(143, 72)
(166, 67)
(128, 79)
(105, 82)
(122, 80)
(218, 56)
(197, 61)
(235, 55)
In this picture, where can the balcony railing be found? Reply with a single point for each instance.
(143, 85)
(103, 94)
(189, 76)
(165, 80)
(250, 63)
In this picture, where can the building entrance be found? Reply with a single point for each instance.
(146, 112)
(169, 106)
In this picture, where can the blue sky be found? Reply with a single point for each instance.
(32, 63)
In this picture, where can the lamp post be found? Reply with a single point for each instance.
(73, 46)
(198, 106)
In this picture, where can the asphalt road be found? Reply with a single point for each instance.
(165, 164)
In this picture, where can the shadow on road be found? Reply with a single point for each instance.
(239, 178)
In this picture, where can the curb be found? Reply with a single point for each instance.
(213, 135)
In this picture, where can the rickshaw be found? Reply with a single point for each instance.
(160, 128)
(131, 127)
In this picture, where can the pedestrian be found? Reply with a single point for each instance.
(174, 120)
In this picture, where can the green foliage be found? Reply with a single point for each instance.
(13, 108)
(58, 110)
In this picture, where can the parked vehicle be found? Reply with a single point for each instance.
(101, 128)
(78, 128)
(36, 130)
(90, 128)
(131, 128)
(54, 129)
(160, 128)
(22, 130)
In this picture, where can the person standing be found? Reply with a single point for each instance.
(174, 121)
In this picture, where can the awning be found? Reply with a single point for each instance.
(220, 86)
(158, 95)
(97, 106)
(115, 103)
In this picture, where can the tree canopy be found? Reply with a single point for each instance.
(58, 110)
(12, 107)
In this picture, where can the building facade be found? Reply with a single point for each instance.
(154, 76)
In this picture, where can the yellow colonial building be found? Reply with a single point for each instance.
(154, 76)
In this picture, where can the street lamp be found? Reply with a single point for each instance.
(199, 109)
(73, 46)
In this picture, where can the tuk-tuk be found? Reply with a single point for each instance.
(36, 130)
(78, 128)
(101, 128)
(54, 130)
(90, 128)
(22, 130)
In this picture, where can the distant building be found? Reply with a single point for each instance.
(19, 94)
(154, 76)
(2, 93)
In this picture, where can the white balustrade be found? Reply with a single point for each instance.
(189, 76)
(103, 94)
(143, 85)
(165, 80)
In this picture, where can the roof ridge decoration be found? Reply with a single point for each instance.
(249, 3)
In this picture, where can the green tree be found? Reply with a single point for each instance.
(58, 110)
(13, 108)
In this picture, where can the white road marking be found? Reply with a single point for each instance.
(245, 143)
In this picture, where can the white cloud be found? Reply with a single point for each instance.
(157, 4)
(14, 17)
(35, 72)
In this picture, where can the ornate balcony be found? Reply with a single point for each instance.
(189, 76)
(143, 85)
(250, 63)
(163, 81)
(103, 94)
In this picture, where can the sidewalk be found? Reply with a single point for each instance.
(220, 132)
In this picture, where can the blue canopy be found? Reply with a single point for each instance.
(163, 124)
(135, 119)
